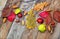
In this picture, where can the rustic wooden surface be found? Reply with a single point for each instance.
(16, 31)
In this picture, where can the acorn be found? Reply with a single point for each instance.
(17, 21)
(25, 13)
(14, 6)
(4, 20)
(23, 22)
(50, 29)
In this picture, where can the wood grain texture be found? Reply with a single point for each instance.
(18, 31)
(4, 30)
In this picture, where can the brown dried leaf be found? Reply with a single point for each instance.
(48, 20)
(6, 12)
(56, 16)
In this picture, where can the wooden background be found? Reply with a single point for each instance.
(14, 30)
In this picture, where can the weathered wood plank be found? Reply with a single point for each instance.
(20, 32)
(16, 31)
(5, 29)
